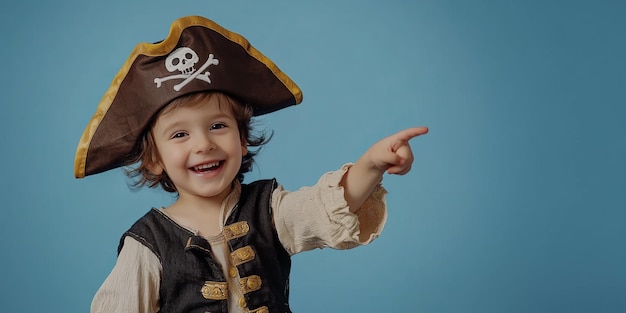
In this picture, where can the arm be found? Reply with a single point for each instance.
(325, 215)
(319, 217)
(133, 284)
(392, 155)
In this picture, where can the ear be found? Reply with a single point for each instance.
(244, 146)
(155, 168)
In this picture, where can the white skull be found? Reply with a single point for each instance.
(182, 59)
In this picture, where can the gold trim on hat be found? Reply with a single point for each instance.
(179, 25)
(80, 160)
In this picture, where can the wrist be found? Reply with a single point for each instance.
(368, 167)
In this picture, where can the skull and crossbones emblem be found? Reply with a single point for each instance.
(184, 60)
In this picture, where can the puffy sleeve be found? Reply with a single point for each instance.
(319, 216)
(133, 284)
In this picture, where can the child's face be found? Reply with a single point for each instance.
(200, 148)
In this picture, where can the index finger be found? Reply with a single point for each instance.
(407, 134)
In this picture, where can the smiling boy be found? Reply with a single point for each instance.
(222, 246)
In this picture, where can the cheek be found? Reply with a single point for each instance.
(170, 156)
(173, 157)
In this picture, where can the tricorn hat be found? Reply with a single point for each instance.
(197, 55)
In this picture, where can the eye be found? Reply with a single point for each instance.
(216, 126)
(179, 135)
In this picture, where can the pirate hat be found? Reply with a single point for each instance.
(197, 55)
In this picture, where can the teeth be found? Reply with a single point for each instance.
(206, 166)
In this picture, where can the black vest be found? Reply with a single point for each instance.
(192, 281)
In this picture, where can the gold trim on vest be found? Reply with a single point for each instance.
(236, 230)
(250, 283)
(262, 309)
(242, 255)
(213, 290)
(242, 302)
(233, 272)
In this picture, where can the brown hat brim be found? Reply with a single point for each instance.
(197, 55)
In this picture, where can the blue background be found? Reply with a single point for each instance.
(516, 201)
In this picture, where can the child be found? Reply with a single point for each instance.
(180, 111)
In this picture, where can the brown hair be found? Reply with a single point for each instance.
(146, 154)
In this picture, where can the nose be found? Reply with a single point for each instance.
(203, 143)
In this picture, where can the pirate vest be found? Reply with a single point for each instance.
(192, 281)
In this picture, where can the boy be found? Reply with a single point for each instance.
(181, 111)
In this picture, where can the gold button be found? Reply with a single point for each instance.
(242, 302)
(253, 282)
(232, 272)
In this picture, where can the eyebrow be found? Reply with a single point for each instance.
(215, 116)
(168, 129)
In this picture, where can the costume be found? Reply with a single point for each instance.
(199, 56)
(312, 217)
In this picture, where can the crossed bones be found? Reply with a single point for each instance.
(189, 77)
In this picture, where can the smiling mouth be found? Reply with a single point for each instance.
(208, 167)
